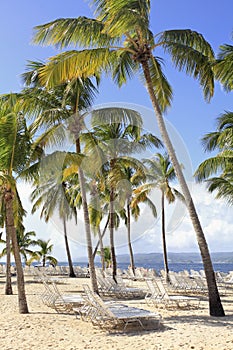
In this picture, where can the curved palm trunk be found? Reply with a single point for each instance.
(129, 240)
(86, 214)
(23, 308)
(166, 268)
(8, 287)
(101, 237)
(111, 229)
(71, 269)
(101, 249)
(215, 305)
(88, 231)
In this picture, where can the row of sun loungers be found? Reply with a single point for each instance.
(108, 315)
(109, 309)
(159, 295)
(58, 270)
(40, 275)
(108, 287)
(114, 316)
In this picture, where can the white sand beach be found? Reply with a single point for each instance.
(43, 328)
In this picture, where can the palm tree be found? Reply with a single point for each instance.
(25, 241)
(120, 40)
(60, 110)
(44, 253)
(161, 173)
(15, 145)
(135, 194)
(220, 164)
(116, 134)
(96, 216)
(107, 256)
(8, 285)
(51, 193)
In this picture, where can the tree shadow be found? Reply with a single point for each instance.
(198, 319)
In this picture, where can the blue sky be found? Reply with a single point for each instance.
(190, 115)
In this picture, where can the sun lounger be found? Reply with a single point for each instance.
(60, 302)
(115, 316)
(108, 287)
(153, 295)
(177, 300)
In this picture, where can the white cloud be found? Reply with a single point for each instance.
(215, 217)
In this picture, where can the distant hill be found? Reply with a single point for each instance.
(220, 257)
(186, 258)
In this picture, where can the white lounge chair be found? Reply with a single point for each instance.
(60, 302)
(177, 300)
(117, 317)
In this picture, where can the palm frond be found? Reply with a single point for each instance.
(111, 115)
(75, 64)
(162, 88)
(223, 67)
(125, 16)
(193, 54)
(30, 77)
(214, 165)
(124, 67)
(63, 32)
(223, 186)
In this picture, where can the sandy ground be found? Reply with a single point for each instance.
(44, 329)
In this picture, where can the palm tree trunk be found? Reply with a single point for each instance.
(101, 249)
(85, 212)
(88, 231)
(129, 240)
(23, 308)
(102, 236)
(111, 229)
(8, 287)
(215, 305)
(164, 240)
(71, 269)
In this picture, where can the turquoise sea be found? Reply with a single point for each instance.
(176, 267)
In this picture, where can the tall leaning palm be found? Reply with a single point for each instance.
(119, 40)
(161, 173)
(14, 152)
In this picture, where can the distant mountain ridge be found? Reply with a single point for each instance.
(185, 258)
(217, 257)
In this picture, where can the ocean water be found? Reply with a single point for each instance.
(176, 267)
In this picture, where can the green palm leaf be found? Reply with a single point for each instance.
(223, 66)
(63, 32)
(223, 186)
(214, 165)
